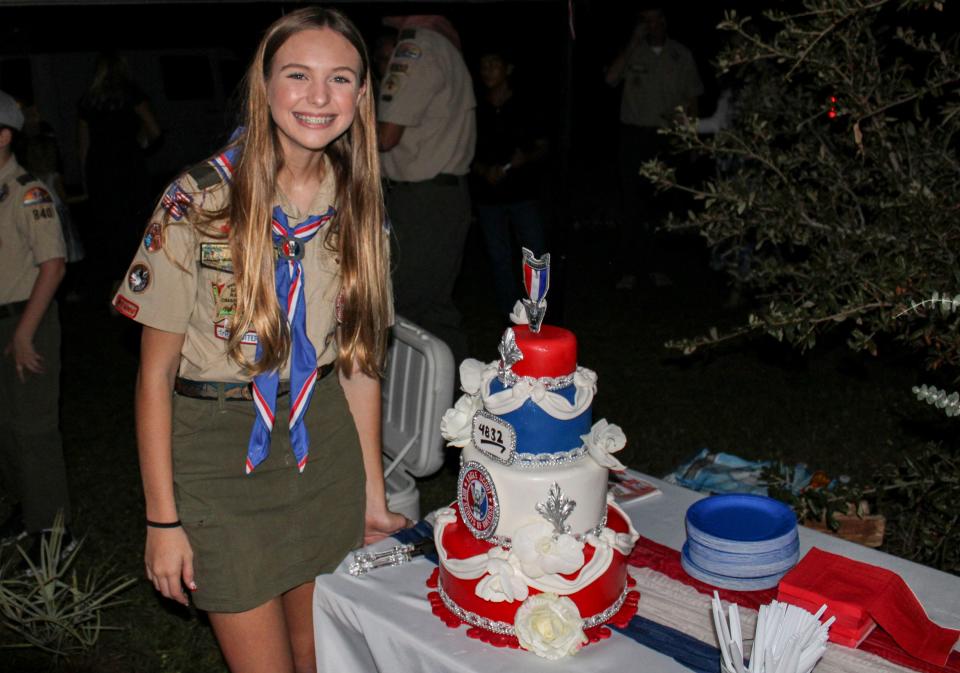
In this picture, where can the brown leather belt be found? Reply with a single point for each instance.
(232, 391)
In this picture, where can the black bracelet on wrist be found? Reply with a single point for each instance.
(158, 524)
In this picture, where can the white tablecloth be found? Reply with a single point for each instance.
(383, 622)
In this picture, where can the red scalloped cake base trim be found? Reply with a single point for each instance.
(594, 634)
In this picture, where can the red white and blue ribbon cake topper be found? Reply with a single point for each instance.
(536, 280)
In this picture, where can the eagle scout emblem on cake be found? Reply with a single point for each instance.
(478, 500)
(139, 278)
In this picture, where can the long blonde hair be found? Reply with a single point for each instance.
(356, 234)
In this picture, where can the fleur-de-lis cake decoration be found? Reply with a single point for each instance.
(536, 281)
(510, 354)
(556, 509)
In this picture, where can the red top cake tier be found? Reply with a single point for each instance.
(550, 352)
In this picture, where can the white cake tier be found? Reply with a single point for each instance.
(518, 492)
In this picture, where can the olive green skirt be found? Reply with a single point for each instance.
(256, 536)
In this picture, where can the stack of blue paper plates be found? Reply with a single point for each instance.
(739, 541)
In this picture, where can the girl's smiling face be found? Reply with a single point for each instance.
(313, 89)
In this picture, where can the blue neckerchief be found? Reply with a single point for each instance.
(289, 242)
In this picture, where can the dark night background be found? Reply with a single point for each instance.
(835, 410)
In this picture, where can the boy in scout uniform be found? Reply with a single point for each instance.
(32, 265)
(427, 133)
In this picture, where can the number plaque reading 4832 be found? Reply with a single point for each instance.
(494, 437)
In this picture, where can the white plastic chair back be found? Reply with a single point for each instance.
(417, 390)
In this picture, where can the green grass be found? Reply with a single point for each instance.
(833, 410)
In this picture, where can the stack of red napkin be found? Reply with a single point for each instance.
(862, 596)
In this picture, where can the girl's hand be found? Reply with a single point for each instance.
(379, 525)
(169, 561)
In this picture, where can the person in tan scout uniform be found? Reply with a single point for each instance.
(32, 265)
(658, 76)
(427, 128)
(260, 468)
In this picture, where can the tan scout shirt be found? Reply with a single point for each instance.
(654, 85)
(30, 232)
(199, 299)
(429, 92)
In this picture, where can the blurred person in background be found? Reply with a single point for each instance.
(427, 131)
(32, 252)
(508, 172)
(658, 75)
(116, 126)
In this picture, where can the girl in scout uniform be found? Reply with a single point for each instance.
(262, 284)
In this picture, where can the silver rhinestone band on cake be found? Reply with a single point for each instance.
(539, 461)
(509, 378)
(507, 629)
(474, 619)
(501, 541)
(607, 614)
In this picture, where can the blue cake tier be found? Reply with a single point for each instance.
(539, 432)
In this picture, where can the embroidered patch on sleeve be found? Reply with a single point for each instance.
(138, 278)
(36, 196)
(408, 50)
(176, 201)
(393, 83)
(126, 307)
(216, 256)
(153, 239)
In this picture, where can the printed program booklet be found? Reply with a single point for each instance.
(629, 486)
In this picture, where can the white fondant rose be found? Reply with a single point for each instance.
(503, 582)
(519, 316)
(456, 426)
(605, 439)
(471, 374)
(549, 626)
(541, 553)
